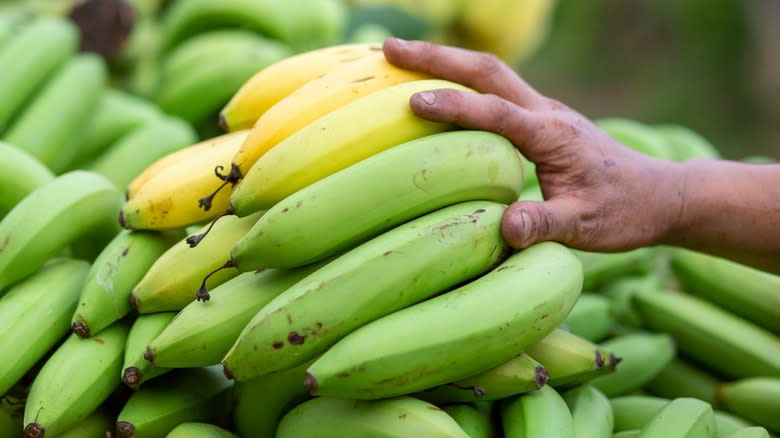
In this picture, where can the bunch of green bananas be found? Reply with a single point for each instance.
(333, 266)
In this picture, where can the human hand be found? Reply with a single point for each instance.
(599, 195)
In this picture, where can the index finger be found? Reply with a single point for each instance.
(481, 71)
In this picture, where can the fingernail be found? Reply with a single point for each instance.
(526, 221)
(401, 41)
(428, 97)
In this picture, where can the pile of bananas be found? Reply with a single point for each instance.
(333, 266)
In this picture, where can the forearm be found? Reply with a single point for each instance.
(729, 209)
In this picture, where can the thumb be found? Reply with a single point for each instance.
(528, 222)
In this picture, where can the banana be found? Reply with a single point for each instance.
(10, 23)
(474, 422)
(602, 268)
(164, 195)
(52, 217)
(686, 143)
(105, 297)
(97, 425)
(571, 360)
(392, 417)
(52, 125)
(518, 375)
(74, 381)
(620, 293)
(456, 243)
(172, 281)
(755, 398)
(345, 209)
(201, 75)
(182, 396)
(591, 412)
(203, 333)
(117, 114)
(136, 370)
(591, 317)
(10, 419)
(20, 174)
(637, 136)
(632, 412)
(749, 432)
(261, 402)
(301, 24)
(275, 82)
(460, 333)
(531, 193)
(681, 379)
(643, 356)
(317, 98)
(199, 430)
(627, 434)
(134, 152)
(355, 131)
(711, 336)
(52, 293)
(38, 50)
(541, 413)
(682, 417)
(739, 289)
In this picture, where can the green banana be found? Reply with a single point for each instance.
(97, 425)
(203, 73)
(301, 24)
(475, 423)
(638, 136)
(456, 243)
(621, 292)
(10, 23)
(33, 316)
(392, 417)
(20, 174)
(118, 113)
(182, 396)
(52, 125)
(742, 290)
(729, 423)
(11, 418)
(74, 381)
(571, 360)
(136, 151)
(711, 336)
(591, 412)
(518, 375)
(681, 379)
(627, 434)
(52, 217)
(755, 398)
(686, 143)
(414, 178)
(460, 333)
(529, 173)
(541, 413)
(643, 356)
(262, 402)
(748, 432)
(199, 430)
(29, 58)
(135, 368)
(591, 317)
(682, 417)
(203, 333)
(105, 297)
(600, 269)
(172, 281)
(531, 193)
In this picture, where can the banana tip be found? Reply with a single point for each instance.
(122, 219)
(226, 371)
(81, 329)
(149, 355)
(134, 302)
(124, 429)
(223, 123)
(310, 383)
(34, 430)
(132, 377)
(541, 376)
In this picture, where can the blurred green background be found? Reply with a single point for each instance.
(711, 65)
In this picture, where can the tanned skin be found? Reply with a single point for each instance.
(599, 194)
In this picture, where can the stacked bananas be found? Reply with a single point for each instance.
(333, 266)
(60, 115)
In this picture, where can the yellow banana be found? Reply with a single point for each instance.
(273, 83)
(165, 195)
(355, 131)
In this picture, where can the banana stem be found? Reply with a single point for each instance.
(203, 291)
(195, 239)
